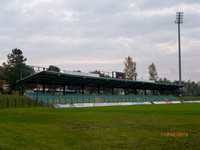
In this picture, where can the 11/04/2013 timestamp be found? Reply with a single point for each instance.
(174, 134)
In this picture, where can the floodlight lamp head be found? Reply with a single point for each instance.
(179, 17)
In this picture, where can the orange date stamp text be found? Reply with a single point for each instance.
(174, 134)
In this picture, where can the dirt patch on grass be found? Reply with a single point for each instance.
(80, 126)
(131, 122)
(86, 126)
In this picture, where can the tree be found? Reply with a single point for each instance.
(1, 78)
(153, 74)
(15, 68)
(191, 88)
(53, 68)
(1, 73)
(130, 68)
(164, 80)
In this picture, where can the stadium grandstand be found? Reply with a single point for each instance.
(149, 91)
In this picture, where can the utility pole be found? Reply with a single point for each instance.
(179, 20)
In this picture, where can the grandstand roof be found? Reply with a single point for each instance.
(63, 79)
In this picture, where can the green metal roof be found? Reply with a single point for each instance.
(63, 79)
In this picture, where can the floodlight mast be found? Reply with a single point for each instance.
(179, 20)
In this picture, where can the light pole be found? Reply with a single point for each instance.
(179, 20)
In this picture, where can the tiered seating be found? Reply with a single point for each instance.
(163, 98)
(113, 98)
(79, 98)
(47, 98)
(135, 98)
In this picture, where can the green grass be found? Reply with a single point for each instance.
(16, 101)
(101, 128)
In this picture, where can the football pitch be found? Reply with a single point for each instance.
(148, 127)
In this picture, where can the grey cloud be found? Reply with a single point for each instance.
(100, 34)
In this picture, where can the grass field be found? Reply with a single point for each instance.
(16, 101)
(148, 127)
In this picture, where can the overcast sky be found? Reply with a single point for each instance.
(92, 35)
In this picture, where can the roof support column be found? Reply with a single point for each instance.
(64, 90)
(112, 91)
(145, 92)
(172, 92)
(99, 90)
(125, 90)
(20, 86)
(43, 88)
(161, 92)
(135, 91)
(37, 87)
(153, 92)
(83, 89)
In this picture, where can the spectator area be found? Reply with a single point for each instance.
(64, 80)
(47, 98)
